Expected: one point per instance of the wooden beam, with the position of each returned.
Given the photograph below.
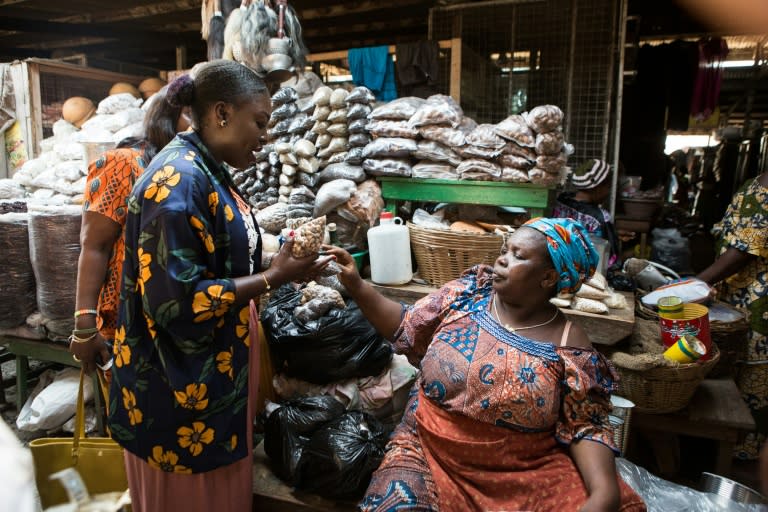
(364, 27)
(342, 54)
(65, 43)
(133, 13)
(6, 3)
(347, 8)
(455, 80)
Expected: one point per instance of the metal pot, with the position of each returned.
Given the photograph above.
(278, 45)
(726, 489)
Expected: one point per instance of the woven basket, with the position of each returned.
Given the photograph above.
(442, 255)
(730, 337)
(664, 389)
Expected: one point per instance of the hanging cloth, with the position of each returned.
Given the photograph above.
(417, 68)
(706, 89)
(373, 67)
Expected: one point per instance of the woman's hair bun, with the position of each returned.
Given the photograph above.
(181, 92)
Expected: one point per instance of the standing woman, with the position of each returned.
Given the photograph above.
(741, 270)
(184, 378)
(99, 268)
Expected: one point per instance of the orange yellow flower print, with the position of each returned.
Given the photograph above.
(213, 202)
(224, 362)
(229, 213)
(194, 438)
(162, 183)
(193, 397)
(243, 328)
(145, 259)
(166, 461)
(212, 302)
(203, 234)
(129, 402)
(120, 349)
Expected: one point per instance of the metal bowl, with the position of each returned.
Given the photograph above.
(276, 61)
(730, 490)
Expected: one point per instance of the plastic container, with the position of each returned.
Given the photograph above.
(389, 250)
(603, 248)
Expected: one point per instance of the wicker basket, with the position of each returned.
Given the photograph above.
(442, 255)
(664, 389)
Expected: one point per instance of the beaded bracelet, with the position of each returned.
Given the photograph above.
(81, 312)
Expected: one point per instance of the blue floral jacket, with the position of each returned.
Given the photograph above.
(180, 377)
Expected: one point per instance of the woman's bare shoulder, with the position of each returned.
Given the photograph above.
(577, 337)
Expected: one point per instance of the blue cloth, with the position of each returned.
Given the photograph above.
(573, 255)
(373, 67)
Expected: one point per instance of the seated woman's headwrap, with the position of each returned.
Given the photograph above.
(573, 255)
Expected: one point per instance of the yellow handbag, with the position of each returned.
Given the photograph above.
(99, 460)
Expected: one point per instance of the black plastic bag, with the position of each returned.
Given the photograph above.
(340, 345)
(289, 428)
(340, 457)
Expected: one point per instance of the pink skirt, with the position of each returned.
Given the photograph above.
(225, 488)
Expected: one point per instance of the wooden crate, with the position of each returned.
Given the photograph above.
(39, 82)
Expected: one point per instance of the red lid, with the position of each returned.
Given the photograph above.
(387, 215)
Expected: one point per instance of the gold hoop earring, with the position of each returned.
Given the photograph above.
(223, 123)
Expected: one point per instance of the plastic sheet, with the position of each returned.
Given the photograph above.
(333, 194)
(54, 248)
(396, 147)
(438, 110)
(17, 291)
(341, 456)
(429, 169)
(288, 427)
(391, 128)
(399, 109)
(340, 345)
(663, 496)
(387, 167)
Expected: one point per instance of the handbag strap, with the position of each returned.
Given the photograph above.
(79, 419)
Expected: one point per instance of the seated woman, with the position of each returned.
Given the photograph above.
(511, 409)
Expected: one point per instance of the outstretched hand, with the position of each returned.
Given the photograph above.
(286, 267)
(349, 275)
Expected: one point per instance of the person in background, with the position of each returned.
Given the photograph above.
(185, 372)
(593, 187)
(741, 271)
(110, 180)
(510, 411)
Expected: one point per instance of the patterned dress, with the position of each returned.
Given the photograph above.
(490, 418)
(745, 227)
(180, 378)
(110, 180)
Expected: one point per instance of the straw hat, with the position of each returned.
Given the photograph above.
(77, 110)
(150, 86)
(120, 87)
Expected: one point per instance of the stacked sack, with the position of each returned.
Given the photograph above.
(536, 150)
(314, 161)
(58, 175)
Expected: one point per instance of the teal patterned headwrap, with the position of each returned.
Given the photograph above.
(573, 255)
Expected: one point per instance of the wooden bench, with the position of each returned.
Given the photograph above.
(716, 412)
(23, 349)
